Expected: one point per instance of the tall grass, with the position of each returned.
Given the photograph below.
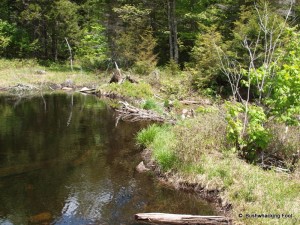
(160, 139)
(197, 150)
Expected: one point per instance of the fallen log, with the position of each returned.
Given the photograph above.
(130, 113)
(164, 218)
(192, 102)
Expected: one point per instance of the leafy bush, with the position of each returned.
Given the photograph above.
(246, 128)
(284, 84)
(176, 87)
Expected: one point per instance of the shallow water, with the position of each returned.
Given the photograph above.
(63, 161)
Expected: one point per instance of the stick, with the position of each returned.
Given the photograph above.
(70, 51)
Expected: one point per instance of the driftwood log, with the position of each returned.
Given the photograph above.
(130, 113)
(164, 218)
(88, 90)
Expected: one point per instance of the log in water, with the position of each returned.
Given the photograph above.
(165, 218)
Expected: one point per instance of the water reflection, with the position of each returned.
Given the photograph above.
(63, 161)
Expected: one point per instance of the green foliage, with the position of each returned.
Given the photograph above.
(175, 87)
(172, 68)
(6, 31)
(14, 41)
(205, 109)
(284, 100)
(246, 128)
(135, 43)
(206, 66)
(92, 50)
(146, 60)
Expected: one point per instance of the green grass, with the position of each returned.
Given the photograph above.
(127, 89)
(151, 104)
(13, 72)
(197, 151)
(146, 136)
(160, 139)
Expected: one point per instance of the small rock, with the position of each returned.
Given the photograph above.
(184, 111)
(67, 89)
(40, 72)
(141, 168)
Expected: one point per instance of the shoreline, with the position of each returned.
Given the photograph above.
(171, 180)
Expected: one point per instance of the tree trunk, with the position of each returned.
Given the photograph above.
(173, 31)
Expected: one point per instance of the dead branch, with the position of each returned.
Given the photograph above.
(130, 113)
(70, 51)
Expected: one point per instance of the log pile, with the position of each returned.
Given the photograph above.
(130, 113)
(164, 218)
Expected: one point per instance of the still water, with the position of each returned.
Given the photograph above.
(63, 161)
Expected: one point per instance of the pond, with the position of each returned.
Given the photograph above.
(63, 161)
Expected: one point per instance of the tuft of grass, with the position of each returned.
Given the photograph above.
(160, 139)
(162, 146)
(146, 136)
(127, 89)
(151, 104)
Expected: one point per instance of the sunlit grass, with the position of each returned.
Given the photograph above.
(127, 89)
(13, 72)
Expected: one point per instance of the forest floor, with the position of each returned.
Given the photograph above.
(193, 154)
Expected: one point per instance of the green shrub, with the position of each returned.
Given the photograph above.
(246, 128)
(207, 72)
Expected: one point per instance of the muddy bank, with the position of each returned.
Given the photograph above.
(178, 182)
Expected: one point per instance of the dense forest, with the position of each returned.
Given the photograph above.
(129, 32)
(242, 55)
